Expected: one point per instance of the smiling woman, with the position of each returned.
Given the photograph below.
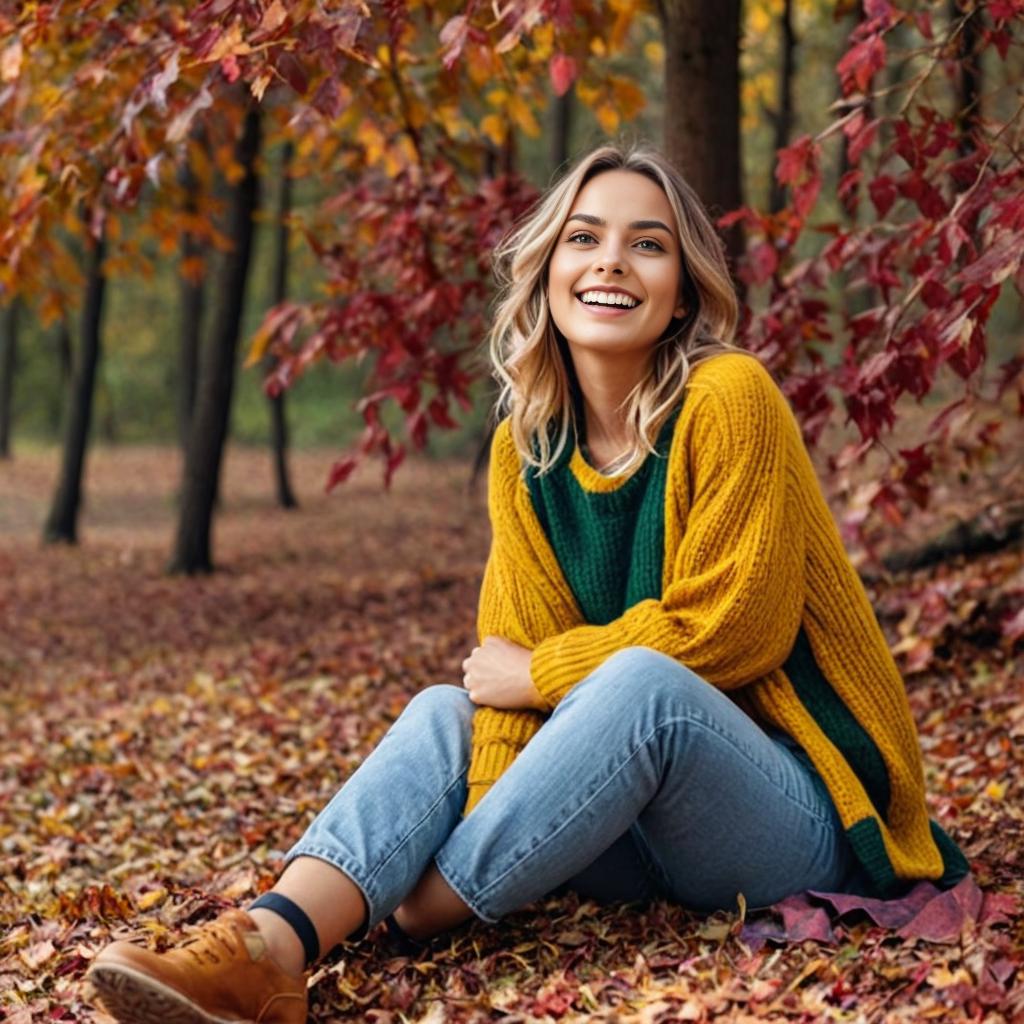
(680, 690)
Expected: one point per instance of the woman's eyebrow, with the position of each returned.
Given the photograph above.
(637, 225)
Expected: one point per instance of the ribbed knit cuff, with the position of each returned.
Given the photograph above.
(498, 737)
(560, 662)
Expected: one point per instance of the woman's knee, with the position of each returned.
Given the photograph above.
(634, 673)
(444, 701)
(440, 716)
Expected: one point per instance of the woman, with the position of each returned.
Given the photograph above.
(680, 689)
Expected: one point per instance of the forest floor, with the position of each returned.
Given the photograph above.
(165, 739)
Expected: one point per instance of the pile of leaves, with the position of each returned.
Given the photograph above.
(165, 740)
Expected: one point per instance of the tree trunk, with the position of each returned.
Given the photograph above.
(702, 102)
(62, 344)
(209, 425)
(969, 96)
(784, 115)
(278, 419)
(191, 291)
(62, 522)
(8, 363)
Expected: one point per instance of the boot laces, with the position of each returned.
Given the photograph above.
(214, 943)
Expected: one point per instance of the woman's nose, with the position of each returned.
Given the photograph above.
(609, 260)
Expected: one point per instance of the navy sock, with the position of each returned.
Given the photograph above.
(406, 945)
(296, 918)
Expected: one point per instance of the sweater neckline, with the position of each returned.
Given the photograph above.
(591, 479)
(594, 481)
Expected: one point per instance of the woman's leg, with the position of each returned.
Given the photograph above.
(364, 853)
(644, 748)
(370, 847)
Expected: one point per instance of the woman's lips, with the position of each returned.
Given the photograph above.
(607, 311)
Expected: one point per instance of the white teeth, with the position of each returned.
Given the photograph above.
(608, 299)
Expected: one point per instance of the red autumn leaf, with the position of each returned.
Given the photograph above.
(1005, 10)
(998, 263)
(860, 133)
(229, 68)
(935, 294)
(803, 920)
(563, 71)
(291, 70)
(763, 262)
(860, 63)
(883, 193)
(946, 914)
(341, 471)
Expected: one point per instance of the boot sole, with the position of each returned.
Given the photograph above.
(136, 998)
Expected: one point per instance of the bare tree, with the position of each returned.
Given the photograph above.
(278, 419)
(62, 523)
(209, 426)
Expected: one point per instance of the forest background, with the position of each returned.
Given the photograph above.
(367, 157)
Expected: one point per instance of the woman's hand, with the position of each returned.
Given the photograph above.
(498, 675)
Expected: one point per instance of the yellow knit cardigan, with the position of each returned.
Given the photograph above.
(751, 555)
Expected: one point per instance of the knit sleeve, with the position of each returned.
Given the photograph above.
(733, 605)
(500, 734)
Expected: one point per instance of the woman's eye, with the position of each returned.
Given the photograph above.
(585, 237)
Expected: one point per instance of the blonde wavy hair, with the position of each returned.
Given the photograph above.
(529, 357)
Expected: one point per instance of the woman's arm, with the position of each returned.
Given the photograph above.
(499, 734)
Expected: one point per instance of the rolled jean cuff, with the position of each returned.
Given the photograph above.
(350, 869)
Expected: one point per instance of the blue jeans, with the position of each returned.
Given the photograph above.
(645, 782)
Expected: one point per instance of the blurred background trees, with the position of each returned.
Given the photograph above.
(315, 188)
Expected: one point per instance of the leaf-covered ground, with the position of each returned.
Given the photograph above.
(164, 740)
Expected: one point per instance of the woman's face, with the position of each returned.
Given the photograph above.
(615, 273)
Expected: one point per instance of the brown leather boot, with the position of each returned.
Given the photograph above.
(223, 974)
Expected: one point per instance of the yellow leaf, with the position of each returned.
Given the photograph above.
(597, 47)
(608, 118)
(258, 348)
(495, 128)
(230, 43)
(654, 51)
(995, 790)
(629, 98)
(151, 899)
(259, 85)
(48, 96)
(370, 138)
(522, 113)
(759, 20)
(273, 17)
(497, 97)
(543, 39)
(620, 29)
(479, 64)
(418, 113)
(452, 120)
